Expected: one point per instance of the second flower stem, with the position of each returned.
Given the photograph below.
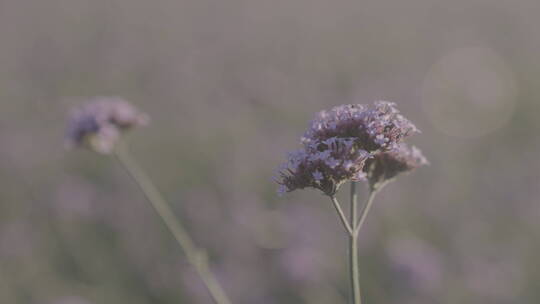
(363, 216)
(195, 256)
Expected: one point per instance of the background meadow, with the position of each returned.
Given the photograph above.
(231, 86)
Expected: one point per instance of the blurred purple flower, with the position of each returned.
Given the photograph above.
(416, 264)
(99, 123)
(302, 264)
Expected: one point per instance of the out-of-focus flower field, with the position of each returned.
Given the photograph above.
(230, 87)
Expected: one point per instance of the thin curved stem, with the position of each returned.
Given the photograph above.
(195, 256)
(342, 216)
(367, 207)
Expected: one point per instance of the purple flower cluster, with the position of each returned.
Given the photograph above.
(375, 128)
(99, 123)
(338, 144)
(385, 166)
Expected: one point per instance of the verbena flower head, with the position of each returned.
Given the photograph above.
(379, 127)
(324, 166)
(338, 144)
(99, 123)
(385, 166)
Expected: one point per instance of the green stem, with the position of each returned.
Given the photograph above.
(353, 249)
(353, 269)
(342, 216)
(367, 207)
(195, 256)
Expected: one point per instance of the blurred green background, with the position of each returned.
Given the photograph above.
(231, 86)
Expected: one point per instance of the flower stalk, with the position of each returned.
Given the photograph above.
(342, 216)
(197, 257)
(352, 227)
(367, 207)
(352, 143)
(354, 271)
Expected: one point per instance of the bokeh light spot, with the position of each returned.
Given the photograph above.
(469, 92)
